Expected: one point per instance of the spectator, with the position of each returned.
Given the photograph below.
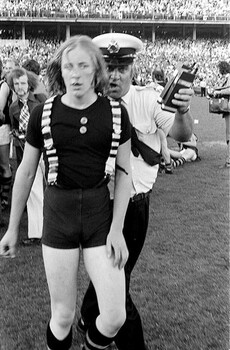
(167, 54)
(2, 117)
(23, 83)
(158, 76)
(191, 9)
(224, 91)
(33, 66)
(203, 87)
(5, 101)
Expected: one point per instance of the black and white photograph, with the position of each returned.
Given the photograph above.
(114, 174)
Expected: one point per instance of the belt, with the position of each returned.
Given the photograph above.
(63, 187)
(139, 196)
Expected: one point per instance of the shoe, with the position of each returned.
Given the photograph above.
(161, 169)
(31, 241)
(197, 157)
(169, 168)
(189, 154)
(81, 326)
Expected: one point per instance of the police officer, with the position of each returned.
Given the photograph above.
(146, 116)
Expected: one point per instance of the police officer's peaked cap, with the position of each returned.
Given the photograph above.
(118, 48)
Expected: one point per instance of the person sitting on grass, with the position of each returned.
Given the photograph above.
(171, 159)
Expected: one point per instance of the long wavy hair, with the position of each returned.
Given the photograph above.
(55, 81)
(19, 72)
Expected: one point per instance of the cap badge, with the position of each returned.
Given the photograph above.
(113, 47)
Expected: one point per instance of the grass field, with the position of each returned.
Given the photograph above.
(181, 281)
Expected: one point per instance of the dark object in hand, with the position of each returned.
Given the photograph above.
(182, 78)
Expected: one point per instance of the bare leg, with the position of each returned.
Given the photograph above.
(109, 283)
(61, 266)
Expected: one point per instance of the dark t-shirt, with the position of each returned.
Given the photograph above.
(81, 156)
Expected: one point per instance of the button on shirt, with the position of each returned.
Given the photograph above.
(146, 116)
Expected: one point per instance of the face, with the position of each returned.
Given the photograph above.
(78, 72)
(43, 73)
(9, 66)
(21, 86)
(120, 78)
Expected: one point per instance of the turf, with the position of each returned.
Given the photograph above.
(181, 281)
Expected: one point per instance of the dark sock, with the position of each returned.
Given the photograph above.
(55, 344)
(5, 194)
(5, 190)
(95, 340)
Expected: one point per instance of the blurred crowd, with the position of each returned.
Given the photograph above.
(190, 9)
(163, 55)
(39, 49)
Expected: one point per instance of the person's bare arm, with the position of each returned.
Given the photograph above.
(116, 246)
(22, 185)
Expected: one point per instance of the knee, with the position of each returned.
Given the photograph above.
(63, 317)
(115, 320)
(120, 320)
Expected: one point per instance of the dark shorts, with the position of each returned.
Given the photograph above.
(76, 217)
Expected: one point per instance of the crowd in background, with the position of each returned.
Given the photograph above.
(162, 54)
(166, 54)
(190, 9)
(40, 49)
